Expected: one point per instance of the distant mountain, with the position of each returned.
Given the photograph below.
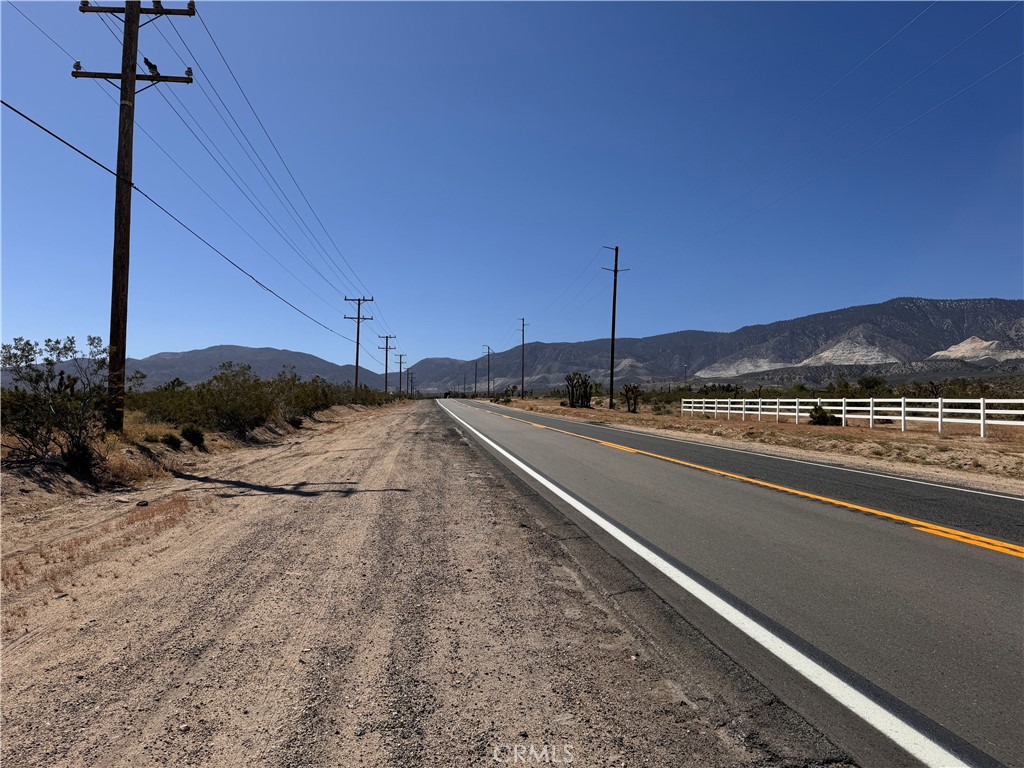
(199, 365)
(900, 332)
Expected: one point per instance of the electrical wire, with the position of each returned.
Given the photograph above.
(283, 196)
(834, 85)
(181, 223)
(855, 155)
(283, 163)
(870, 109)
(41, 30)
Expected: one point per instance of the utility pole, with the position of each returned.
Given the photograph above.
(401, 359)
(489, 351)
(132, 12)
(410, 381)
(522, 363)
(474, 377)
(615, 290)
(387, 348)
(359, 321)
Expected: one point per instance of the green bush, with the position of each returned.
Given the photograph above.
(823, 418)
(57, 404)
(172, 441)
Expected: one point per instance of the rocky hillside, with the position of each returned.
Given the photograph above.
(899, 332)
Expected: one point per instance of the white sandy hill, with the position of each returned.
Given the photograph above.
(979, 349)
(739, 367)
(851, 351)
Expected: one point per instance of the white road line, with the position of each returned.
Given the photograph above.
(780, 458)
(903, 734)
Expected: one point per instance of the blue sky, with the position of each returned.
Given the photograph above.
(470, 160)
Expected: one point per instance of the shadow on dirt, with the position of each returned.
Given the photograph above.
(343, 489)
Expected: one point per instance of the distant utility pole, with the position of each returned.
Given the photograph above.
(463, 385)
(359, 321)
(401, 360)
(489, 351)
(615, 289)
(410, 381)
(387, 348)
(522, 362)
(474, 376)
(132, 12)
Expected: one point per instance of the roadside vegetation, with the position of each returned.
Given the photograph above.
(55, 408)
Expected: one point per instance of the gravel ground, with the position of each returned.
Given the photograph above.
(372, 590)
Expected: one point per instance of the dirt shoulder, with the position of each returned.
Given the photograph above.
(373, 590)
(958, 457)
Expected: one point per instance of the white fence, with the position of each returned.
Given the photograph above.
(981, 412)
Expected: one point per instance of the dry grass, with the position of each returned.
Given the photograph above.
(60, 564)
(128, 467)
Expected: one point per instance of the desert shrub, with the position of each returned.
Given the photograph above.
(823, 418)
(172, 441)
(150, 438)
(57, 404)
(194, 435)
(235, 400)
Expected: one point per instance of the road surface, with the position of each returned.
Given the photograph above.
(889, 612)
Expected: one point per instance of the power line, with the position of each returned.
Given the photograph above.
(832, 87)
(299, 221)
(284, 163)
(846, 125)
(173, 160)
(187, 228)
(853, 156)
(41, 30)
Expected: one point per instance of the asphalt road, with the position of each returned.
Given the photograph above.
(908, 594)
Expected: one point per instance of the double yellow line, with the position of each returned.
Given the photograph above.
(995, 545)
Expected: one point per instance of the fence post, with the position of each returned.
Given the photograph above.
(797, 409)
(716, 407)
(778, 410)
(982, 414)
(871, 413)
(743, 409)
(728, 410)
(844, 411)
(940, 415)
(759, 401)
(903, 414)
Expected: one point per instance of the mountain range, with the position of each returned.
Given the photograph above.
(900, 339)
(903, 337)
(199, 365)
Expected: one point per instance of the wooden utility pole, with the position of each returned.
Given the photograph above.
(522, 362)
(401, 360)
(410, 381)
(474, 376)
(615, 289)
(132, 12)
(359, 322)
(489, 350)
(387, 348)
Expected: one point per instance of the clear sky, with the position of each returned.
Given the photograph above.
(470, 160)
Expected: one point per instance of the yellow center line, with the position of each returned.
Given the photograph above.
(974, 539)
